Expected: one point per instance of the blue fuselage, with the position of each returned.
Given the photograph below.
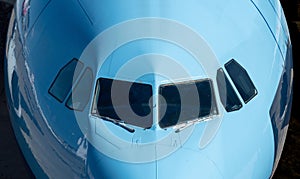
(156, 43)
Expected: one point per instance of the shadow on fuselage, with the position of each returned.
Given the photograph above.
(12, 163)
(289, 163)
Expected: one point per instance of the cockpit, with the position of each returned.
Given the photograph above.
(132, 102)
(140, 104)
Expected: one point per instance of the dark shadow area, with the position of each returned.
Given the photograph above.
(289, 166)
(12, 163)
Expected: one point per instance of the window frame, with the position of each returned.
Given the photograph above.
(75, 87)
(228, 86)
(236, 83)
(58, 75)
(214, 105)
(95, 111)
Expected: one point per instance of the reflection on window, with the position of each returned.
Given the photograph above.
(228, 96)
(241, 80)
(80, 96)
(173, 110)
(125, 101)
(62, 84)
(15, 89)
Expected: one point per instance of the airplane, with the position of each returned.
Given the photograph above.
(149, 89)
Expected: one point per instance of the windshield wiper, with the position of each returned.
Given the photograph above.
(118, 123)
(180, 127)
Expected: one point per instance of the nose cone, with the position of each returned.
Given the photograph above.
(101, 166)
(184, 163)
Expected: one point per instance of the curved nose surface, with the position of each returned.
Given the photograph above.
(183, 163)
(186, 163)
(101, 166)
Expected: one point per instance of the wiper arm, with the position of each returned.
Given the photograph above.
(182, 126)
(118, 123)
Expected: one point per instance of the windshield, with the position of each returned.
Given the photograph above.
(124, 101)
(198, 102)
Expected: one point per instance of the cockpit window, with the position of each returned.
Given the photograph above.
(62, 84)
(198, 101)
(80, 95)
(241, 80)
(228, 96)
(124, 101)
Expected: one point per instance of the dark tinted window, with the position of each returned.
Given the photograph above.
(62, 84)
(198, 102)
(125, 101)
(228, 96)
(241, 80)
(80, 96)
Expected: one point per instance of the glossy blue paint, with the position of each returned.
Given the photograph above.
(58, 142)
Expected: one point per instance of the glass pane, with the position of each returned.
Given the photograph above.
(228, 96)
(80, 96)
(173, 110)
(125, 101)
(62, 84)
(241, 80)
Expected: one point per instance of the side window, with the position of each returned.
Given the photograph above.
(62, 84)
(80, 95)
(228, 96)
(241, 80)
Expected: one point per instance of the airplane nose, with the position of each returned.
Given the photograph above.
(184, 163)
(101, 166)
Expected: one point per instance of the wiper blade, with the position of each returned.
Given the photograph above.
(180, 127)
(118, 123)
